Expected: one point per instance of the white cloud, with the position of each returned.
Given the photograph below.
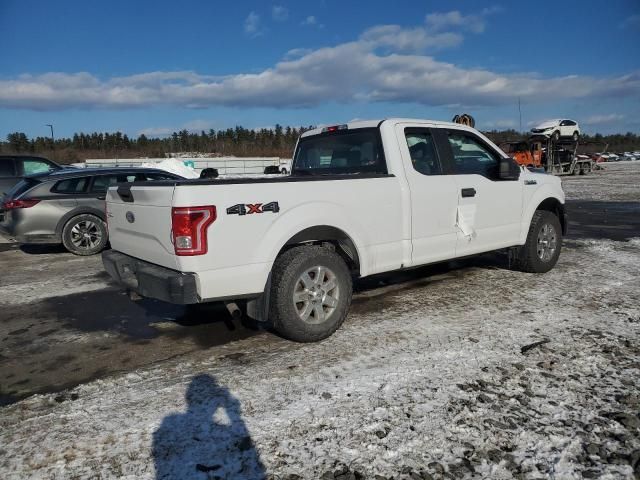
(312, 21)
(631, 22)
(498, 124)
(442, 21)
(400, 39)
(195, 126)
(156, 131)
(252, 25)
(279, 13)
(386, 64)
(603, 119)
(297, 53)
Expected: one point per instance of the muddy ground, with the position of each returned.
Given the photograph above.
(63, 325)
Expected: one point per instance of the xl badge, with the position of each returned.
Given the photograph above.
(130, 217)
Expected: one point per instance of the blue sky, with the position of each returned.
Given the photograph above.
(158, 66)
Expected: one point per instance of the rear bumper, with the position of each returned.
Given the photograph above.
(149, 280)
(30, 239)
(15, 227)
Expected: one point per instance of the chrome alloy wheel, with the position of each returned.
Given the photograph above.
(547, 242)
(86, 235)
(316, 294)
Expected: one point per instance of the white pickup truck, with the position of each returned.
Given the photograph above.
(362, 198)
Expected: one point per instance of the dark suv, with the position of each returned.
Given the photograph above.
(14, 168)
(67, 206)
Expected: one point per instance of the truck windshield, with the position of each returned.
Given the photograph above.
(345, 151)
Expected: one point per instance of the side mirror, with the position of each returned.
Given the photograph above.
(508, 169)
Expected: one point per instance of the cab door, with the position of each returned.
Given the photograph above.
(489, 209)
(433, 196)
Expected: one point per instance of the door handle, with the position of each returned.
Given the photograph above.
(102, 197)
(468, 192)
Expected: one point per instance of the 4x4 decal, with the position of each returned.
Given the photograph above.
(249, 208)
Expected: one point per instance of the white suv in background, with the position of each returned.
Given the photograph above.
(558, 128)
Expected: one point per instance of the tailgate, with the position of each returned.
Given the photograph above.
(139, 219)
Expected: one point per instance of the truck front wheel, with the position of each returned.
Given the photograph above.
(541, 251)
(310, 293)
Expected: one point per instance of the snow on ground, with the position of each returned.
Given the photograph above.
(426, 381)
(53, 273)
(617, 182)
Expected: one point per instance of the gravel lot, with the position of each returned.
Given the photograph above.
(459, 370)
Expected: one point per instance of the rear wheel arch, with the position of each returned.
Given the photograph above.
(79, 211)
(331, 237)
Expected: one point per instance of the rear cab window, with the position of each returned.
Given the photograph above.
(340, 152)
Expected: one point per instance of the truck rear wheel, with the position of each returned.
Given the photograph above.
(541, 251)
(310, 293)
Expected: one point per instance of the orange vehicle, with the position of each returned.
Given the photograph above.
(526, 153)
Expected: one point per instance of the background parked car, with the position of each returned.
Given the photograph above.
(14, 168)
(558, 128)
(67, 206)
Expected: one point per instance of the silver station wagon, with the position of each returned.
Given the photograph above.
(66, 206)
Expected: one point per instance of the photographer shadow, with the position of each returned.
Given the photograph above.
(208, 441)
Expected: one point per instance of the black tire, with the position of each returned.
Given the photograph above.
(286, 280)
(576, 136)
(556, 135)
(528, 258)
(92, 226)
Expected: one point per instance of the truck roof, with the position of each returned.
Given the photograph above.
(377, 123)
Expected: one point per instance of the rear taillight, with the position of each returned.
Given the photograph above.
(14, 204)
(189, 229)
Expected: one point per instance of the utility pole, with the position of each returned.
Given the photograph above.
(51, 127)
(520, 114)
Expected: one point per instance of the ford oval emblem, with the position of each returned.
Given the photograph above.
(130, 217)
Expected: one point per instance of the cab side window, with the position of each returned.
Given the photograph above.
(423, 153)
(472, 157)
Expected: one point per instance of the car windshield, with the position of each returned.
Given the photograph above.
(344, 151)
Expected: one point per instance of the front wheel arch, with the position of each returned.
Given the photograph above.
(554, 206)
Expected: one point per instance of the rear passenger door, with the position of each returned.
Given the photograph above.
(489, 209)
(433, 196)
